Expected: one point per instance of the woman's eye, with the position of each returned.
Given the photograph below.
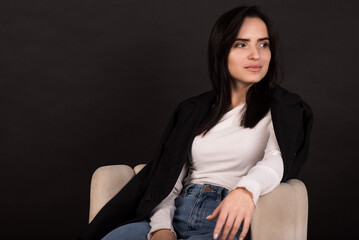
(264, 44)
(240, 45)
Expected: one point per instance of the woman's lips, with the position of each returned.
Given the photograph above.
(253, 68)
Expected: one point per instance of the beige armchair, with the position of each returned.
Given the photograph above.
(281, 214)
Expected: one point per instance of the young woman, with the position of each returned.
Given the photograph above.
(221, 150)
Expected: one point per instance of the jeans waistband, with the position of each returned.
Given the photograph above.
(205, 189)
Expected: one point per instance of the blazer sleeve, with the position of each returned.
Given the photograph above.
(301, 155)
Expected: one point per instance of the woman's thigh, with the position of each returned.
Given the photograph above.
(137, 230)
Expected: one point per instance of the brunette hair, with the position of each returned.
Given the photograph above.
(259, 95)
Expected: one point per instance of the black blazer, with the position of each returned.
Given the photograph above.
(292, 121)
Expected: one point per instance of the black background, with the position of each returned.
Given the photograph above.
(91, 83)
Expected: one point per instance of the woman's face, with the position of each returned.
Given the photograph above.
(249, 57)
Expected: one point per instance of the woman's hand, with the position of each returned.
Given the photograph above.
(236, 207)
(163, 234)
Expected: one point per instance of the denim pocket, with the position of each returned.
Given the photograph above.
(188, 189)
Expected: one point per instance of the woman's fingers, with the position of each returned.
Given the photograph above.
(227, 226)
(246, 223)
(215, 213)
(220, 223)
(235, 228)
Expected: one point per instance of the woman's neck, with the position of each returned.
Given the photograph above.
(238, 94)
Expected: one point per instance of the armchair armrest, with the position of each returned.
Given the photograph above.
(282, 214)
(105, 183)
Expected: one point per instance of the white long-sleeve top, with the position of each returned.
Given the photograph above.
(229, 156)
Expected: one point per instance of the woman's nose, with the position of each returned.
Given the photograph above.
(253, 54)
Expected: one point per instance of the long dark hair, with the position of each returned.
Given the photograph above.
(259, 95)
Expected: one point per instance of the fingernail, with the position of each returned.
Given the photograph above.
(241, 239)
(208, 216)
(215, 236)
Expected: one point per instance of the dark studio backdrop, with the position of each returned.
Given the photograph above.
(90, 83)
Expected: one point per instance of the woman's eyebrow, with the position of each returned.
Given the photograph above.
(248, 40)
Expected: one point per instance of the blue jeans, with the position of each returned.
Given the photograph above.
(193, 205)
